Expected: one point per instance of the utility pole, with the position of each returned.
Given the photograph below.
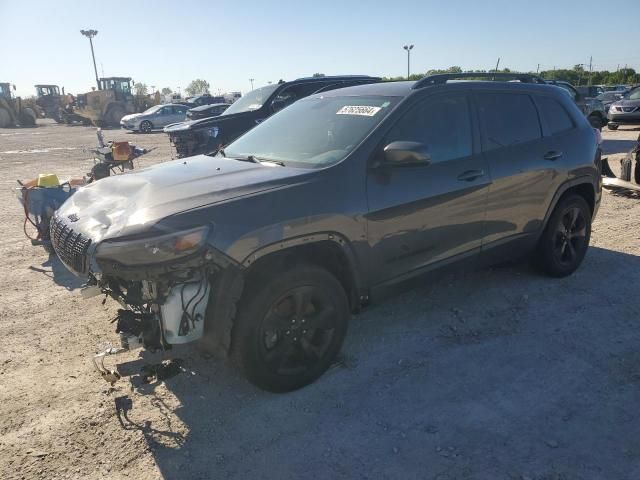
(497, 65)
(408, 48)
(251, 80)
(538, 69)
(90, 34)
(590, 68)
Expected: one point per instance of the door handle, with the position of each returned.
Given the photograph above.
(470, 175)
(552, 155)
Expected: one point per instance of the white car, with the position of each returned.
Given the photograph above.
(156, 117)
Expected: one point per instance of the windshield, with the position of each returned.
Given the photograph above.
(313, 132)
(153, 109)
(633, 94)
(252, 100)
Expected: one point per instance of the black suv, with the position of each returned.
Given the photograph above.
(265, 249)
(207, 135)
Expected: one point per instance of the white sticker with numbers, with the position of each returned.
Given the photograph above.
(363, 110)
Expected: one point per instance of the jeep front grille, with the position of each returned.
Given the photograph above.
(71, 247)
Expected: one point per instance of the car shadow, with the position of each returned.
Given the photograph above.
(441, 378)
(54, 269)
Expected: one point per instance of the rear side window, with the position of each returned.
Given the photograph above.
(554, 115)
(508, 119)
(442, 124)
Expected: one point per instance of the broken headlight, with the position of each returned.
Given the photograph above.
(159, 249)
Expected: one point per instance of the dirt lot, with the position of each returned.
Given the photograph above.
(499, 374)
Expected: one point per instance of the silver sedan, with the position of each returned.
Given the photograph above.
(156, 117)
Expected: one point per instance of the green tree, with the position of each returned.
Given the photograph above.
(197, 87)
(140, 88)
(318, 75)
(166, 91)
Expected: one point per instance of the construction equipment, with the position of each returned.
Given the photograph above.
(13, 111)
(112, 101)
(52, 102)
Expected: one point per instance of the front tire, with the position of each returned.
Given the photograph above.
(612, 126)
(289, 328)
(565, 239)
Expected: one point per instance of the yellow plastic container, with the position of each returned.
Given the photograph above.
(48, 180)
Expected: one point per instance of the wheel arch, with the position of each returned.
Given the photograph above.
(328, 250)
(582, 186)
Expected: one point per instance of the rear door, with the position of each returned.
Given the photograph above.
(522, 163)
(420, 215)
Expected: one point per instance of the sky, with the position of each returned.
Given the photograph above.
(170, 43)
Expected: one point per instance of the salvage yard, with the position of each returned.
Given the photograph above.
(497, 374)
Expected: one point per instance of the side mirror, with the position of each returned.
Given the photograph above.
(406, 153)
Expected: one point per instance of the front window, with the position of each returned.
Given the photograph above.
(313, 132)
(252, 100)
(151, 110)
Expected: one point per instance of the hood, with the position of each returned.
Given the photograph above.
(204, 122)
(130, 117)
(132, 202)
(627, 103)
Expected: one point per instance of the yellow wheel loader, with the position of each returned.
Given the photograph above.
(13, 111)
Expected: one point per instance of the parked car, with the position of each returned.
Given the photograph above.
(616, 88)
(207, 135)
(156, 117)
(590, 91)
(607, 98)
(204, 99)
(592, 108)
(267, 248)
(625, 111)
(207, 111)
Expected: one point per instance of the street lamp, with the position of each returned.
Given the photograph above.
(251, 80)
(408, 48)
(90, 34)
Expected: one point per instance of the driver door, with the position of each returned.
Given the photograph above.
(422, 214)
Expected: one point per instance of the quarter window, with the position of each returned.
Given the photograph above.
(508, 119)
(554, 115)
(441, 124)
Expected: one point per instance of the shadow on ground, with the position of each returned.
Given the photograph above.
(500, 373)
(54, 269)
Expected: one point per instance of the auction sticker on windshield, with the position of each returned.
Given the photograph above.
(364, 110)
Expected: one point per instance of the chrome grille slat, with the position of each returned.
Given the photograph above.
(71, 247)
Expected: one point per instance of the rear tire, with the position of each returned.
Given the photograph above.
(565, 240)
(5, 118)
(146, 126)
(596, 121)
(289, 328)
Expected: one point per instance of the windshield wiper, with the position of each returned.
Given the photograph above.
(254, 159)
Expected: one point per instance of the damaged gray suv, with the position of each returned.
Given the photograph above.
(263, 251)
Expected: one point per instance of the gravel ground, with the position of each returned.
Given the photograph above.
(496, 374)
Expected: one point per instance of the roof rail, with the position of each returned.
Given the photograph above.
(338, 77)
(442, 78)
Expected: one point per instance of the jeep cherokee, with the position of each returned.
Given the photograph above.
(265, 249)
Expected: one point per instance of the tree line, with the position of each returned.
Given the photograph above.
(576, 76)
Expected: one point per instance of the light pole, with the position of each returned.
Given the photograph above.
(251, 80)
(408, 48)
(90, 34)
